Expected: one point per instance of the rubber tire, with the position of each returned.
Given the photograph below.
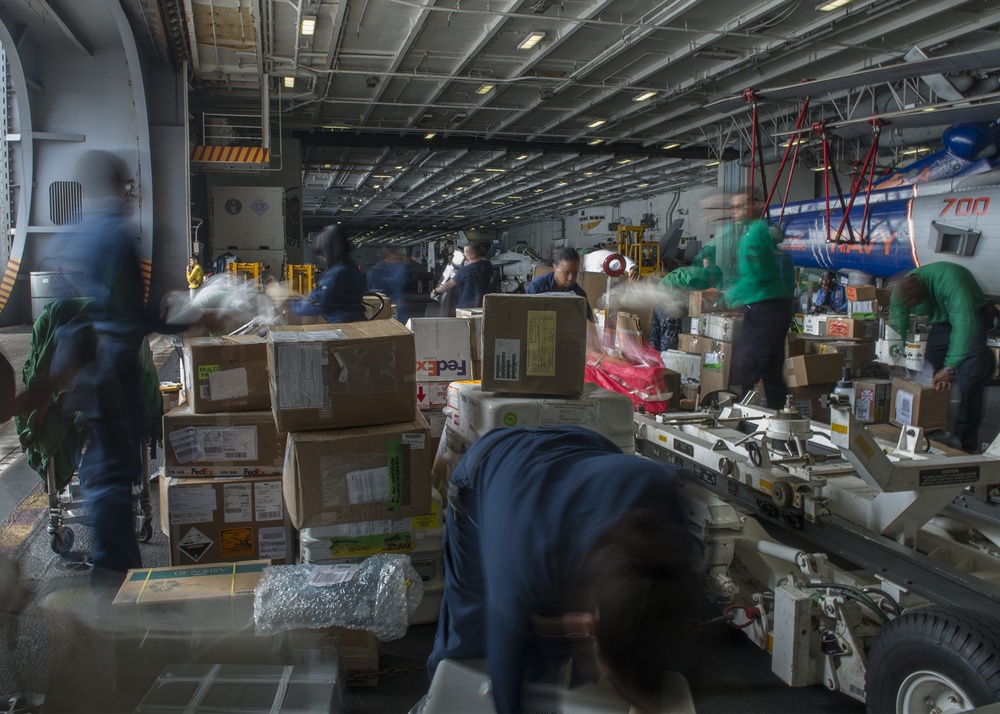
(962, 644)
(62, 541)
(145, 531)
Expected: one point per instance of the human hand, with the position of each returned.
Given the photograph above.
(942, 380)
(633, 274)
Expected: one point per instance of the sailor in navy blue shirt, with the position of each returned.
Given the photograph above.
(547, 527)
(338, 294)
(472, 280)
(565, 269)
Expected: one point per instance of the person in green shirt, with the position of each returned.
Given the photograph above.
(758, 289)
(959, 312)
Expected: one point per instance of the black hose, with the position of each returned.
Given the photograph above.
(857, 594)
(896, 609)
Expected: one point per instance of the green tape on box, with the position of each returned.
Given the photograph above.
(394, 457)
(351, 546)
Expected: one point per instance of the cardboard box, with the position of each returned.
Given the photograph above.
(443, 348)
(862, 309)
(872, 400)
(534, 344)
(432, 395)
(226, 444)
(795, 345)
(814, 325)
(702, 302)
(226, 374)
(808, 400)
(855, 353)
(596, 285)
(687, 365)
(475, 316)
(917, 405)
(358, 652)
(338, 376)
(694, 344)
(224, 520)
(860, 292)
(848, 329)
(372, 303)
(718, 370)
(221, 582)
(673, 380)
(363, 474)
(725, 327)
(806, 370)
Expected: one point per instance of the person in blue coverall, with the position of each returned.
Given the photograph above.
(338, 293)
(565, 271)
(554, 533)
(472, 281)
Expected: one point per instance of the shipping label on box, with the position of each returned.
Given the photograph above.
(694, 344)
(534, 344)
(214, 521)
(183, 584)
(224, 444)
(918, 405)
(226, 374)
(364, 474)
(806, 370)
(687, 365)
(338, 376)
(862, 309)
(846, 328)
(871, 400)
(717, 367)
(432, 395)
(857, 293)
(443, 348)
(814, 325)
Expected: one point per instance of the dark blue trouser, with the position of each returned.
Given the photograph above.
(112, 462)
(762, 350)
(973, 374)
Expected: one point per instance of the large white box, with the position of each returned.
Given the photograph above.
(444, 348)
(687, 365)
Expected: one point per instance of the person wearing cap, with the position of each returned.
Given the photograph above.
(831, 296)
(959, 313)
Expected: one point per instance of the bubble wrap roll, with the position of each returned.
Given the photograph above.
(379, 597)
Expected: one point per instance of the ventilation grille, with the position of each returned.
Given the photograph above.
(65, 202)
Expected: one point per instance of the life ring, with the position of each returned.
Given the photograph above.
(614, 265)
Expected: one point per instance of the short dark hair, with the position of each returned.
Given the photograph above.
(332, 245)
(562, 255)
(645, 589)
(479, 248)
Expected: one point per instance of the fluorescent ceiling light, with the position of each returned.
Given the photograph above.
(381, 176)
(485, 89)
(494, 170)
(497, 203)
(819, 168)
(399, 167)
(588, 173)
(568, 204)
(625, 161)
(917, 150)
(796, 142)
(596, 123)
(459, 216)
(644, 184)
(531, 40)
(289, 82)
(644, 96)
(308, 28)
(588, 198)
(563, 183)
(832, 5)
(476, 180)
(539, 190)
(713, 163)
(335, 127)
(515, 196)
(521, 157)
(668, 147)
(430, 135)
(595, 142)
(929, 109)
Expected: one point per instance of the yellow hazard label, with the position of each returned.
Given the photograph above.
(765, 484)
(839, 428)
(864, 447)
(236, 542)
(541, 357)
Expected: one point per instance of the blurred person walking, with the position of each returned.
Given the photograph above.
(339, 290)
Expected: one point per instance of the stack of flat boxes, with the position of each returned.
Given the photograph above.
(220, 495)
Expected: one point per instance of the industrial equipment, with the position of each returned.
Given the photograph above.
(870, 567)
(247, 273)
(301, 278)
(646, 254)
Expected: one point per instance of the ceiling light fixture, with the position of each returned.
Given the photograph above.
(596, 123)
(308, 28)
(485, 88)
(495, 170)
(335, 127)
(381, 176)
(668, 147)
(622, 162)
(497, 203)
(819, 168)
(531, 40)
(832, 5)
(914, 151)
(644, 96)
(563, 183)
(595, 142)
(713, 163)
(430, 135)
(289, 82)
(521, 157)
(588, 198)
(539, 190)
(515, 196)
(644, 184)
(476, 180)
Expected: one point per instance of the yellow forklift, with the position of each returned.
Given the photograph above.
(646, 254)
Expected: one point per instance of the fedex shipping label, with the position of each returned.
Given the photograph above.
(443, 369)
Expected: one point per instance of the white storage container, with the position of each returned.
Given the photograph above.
(606, 412)
(724, 328)
(687, 365)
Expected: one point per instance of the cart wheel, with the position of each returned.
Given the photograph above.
(145, 530)
(61, 540)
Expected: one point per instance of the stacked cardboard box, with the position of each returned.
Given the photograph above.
(918, 405)
(719, 367)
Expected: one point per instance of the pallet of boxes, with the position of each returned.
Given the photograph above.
(707, 354)
(836, 348)
(533, 350)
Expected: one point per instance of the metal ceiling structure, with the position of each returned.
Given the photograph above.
(442, 114)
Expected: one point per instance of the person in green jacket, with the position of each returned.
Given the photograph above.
(959, 312)
(759, 290)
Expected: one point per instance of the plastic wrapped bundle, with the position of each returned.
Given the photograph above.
(377, 594)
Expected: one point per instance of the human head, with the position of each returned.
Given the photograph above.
(708, 255)
(565, 267)
(192, 262)
(644, 589)
(473, 251)
(331, 246)
(828, 280)
(909, 291)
